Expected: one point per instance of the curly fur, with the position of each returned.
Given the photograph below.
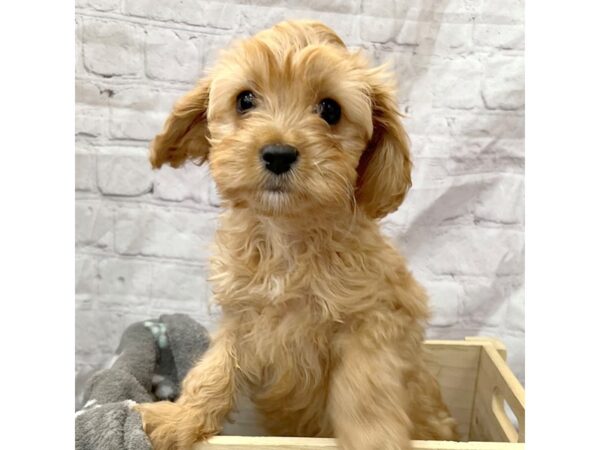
(322, 322)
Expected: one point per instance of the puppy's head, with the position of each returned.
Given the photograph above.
(292, 122)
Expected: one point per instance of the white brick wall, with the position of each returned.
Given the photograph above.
(143, 237)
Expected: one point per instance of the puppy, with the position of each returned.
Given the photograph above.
(322, 322)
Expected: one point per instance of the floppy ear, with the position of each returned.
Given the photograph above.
(185, 133)
(385, 166)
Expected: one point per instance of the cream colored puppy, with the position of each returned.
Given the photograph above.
(322, 321)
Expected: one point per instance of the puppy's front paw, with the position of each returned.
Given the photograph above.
(171, 426)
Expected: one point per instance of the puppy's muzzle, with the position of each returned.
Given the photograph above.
(279, 158)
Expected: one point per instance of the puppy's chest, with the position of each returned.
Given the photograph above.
(313, 273)
(255, 282)
(286, 345)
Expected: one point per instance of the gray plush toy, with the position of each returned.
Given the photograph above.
(152, 359)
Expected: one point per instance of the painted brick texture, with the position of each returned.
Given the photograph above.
(143, 237)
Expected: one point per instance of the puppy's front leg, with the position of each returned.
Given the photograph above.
(208, 395)
(368, 401)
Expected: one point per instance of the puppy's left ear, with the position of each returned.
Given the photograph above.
(185, 133)
(384, 171)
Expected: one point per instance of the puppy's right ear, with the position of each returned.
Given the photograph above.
(185, 133)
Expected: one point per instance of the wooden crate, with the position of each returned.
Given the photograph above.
(479, 388)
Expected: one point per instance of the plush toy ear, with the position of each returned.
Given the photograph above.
(185, 133)
(384, 171)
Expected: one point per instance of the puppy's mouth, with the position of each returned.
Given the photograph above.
(277, 186)
(275, 195)
(277, 190)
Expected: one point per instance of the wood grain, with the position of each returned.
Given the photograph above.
(291, 443)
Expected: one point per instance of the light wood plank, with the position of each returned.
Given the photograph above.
(246, 421)
(496, 383)
(455, 365)
(497, 343)
(291, 443)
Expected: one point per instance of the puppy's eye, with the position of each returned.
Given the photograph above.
(245, 100)
(329, 110)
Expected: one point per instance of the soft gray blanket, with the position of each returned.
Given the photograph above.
(152, 359)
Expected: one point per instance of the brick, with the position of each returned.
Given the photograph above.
(213, 14)
(345, 25)
(487, 156)
(463, 199)
(485, 125)
(509, 37)
(444, 298)
(502, 12)
(458, 85)
(85, 171)
(502, 84)
(209, 47)
(144, 98)
(426, 170)
(486, 300)
(133, 125)
(91, 94)
(452, 37)
(152, 9)
(79, 66)
(502, 201)
(379, 55)
(454, 151)
(383, 8)
(412, 81)
(85, 275)
(130, 302)
(457, 6)
(452, 11)
(476, 124)
(119, 277)
(138, 98)
(171, 184)
(379, 29)
(124, 174)
(340, 6)
(252, 18)
(99, 5)
(181, 282)
(464, 250)
(151, 231)
(410, 33)
(94, 223)
(91, 121)
(113, 48)
(85, 301)
(171, 56)
(443, 204)
(432, 37)
(189, 182)
(515, 314)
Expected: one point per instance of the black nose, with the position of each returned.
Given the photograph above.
(278, 158)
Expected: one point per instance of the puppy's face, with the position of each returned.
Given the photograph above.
(293, 123)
